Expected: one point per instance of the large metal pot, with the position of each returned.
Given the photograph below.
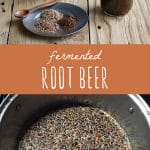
(18, 112)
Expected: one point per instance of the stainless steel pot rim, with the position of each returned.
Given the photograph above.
(8, 103)
(145, 109)
(130, 111)
(136, 98)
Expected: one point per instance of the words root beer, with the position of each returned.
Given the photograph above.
(70, 78)
(74, 71)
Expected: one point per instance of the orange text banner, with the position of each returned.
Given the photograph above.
(74, 69)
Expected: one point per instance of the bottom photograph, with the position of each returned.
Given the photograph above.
(74, 122)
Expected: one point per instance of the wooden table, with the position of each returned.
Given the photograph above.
(134, 28)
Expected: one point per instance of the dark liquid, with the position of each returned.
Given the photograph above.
(116, 7)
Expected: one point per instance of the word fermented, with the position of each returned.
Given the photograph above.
(87, 56)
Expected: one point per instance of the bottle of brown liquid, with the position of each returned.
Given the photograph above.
(116, 7)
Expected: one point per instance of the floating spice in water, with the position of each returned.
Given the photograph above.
(52, 20)
(79, 128)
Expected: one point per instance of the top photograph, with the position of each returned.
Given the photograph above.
(75, 22)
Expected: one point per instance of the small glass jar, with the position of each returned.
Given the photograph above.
(116, 7)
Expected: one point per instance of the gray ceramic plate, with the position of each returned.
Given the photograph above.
(64, 8)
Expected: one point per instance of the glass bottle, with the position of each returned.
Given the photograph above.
(116, 7)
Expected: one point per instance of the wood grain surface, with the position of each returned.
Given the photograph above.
(133, 28)
(5, 20)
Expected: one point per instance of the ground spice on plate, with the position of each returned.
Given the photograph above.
(48, 20)
(52, 20)
(76, 128)
(67, 22)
